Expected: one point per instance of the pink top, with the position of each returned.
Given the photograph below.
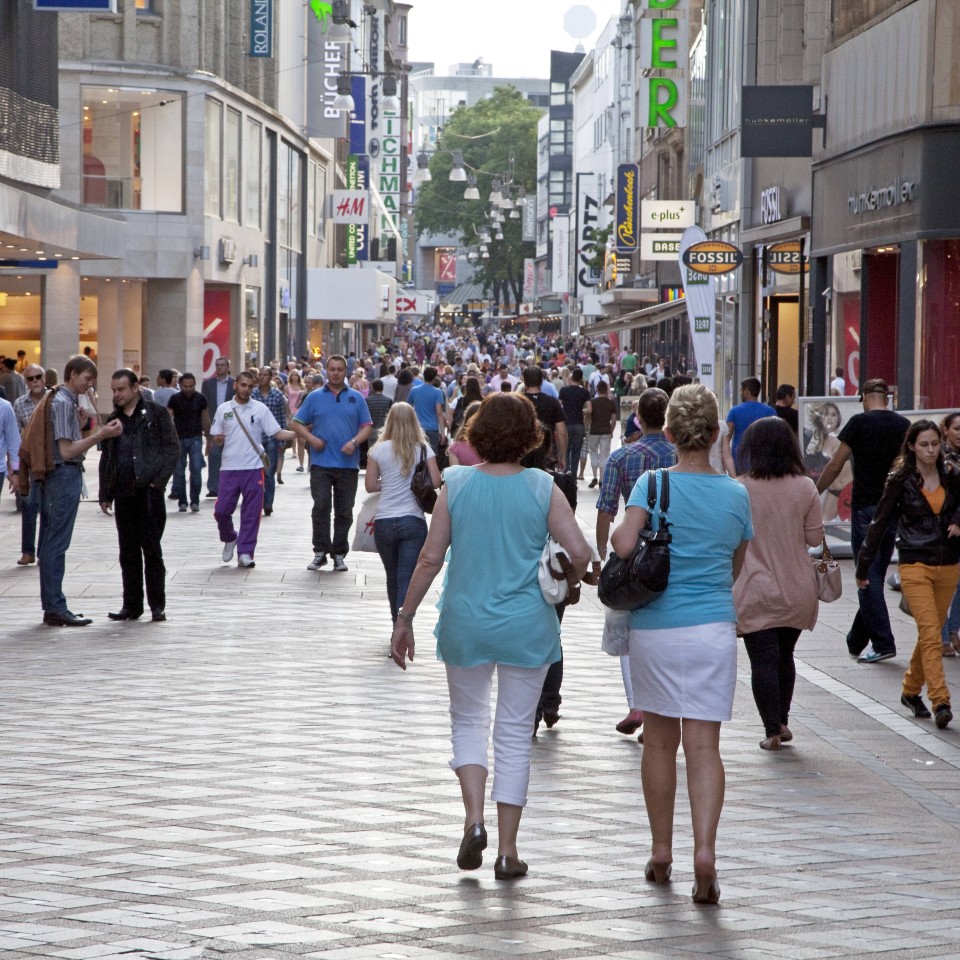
(293, 394)
(465, 454)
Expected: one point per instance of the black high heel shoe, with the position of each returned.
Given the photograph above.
(472, 845)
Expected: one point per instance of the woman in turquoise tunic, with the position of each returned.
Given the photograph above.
(493, 616)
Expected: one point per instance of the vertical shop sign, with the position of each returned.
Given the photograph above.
(561, 254)
(358, 149)
(586, 276)
(628, 207)
(261, 28)
(216, 329)
(700, 293)
(663, 65)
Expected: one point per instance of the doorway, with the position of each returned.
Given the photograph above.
(781, 345)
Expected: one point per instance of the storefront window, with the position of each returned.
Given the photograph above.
(253, 166)
(231, 166)
(843, 346)
(132, 149)
(211, 158)
(251, 326)
(938, 332)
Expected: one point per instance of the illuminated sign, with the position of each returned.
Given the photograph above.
(787, 257)
(662, 77)
(659, 246)
(713, 256)
(673, 214)
(627, 226)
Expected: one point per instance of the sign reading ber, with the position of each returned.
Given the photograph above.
(713, 256)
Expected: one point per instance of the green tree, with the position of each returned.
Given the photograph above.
(498, 140)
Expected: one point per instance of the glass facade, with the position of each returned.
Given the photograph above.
(939, 306)
(212, 154)
(231, 166)
(132, 149)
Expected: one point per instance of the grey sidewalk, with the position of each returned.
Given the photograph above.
(254, 779)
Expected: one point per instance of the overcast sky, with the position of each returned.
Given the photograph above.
(515, 36)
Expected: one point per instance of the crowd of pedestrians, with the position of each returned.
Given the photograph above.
(499, 430)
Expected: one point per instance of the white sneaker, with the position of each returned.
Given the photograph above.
(338, 565)
(320, 560)
(245, 560)
(228, 550)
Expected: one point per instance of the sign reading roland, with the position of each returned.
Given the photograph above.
(662, 77)
(261, 28)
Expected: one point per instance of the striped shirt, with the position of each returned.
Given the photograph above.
(66, 426)
(628, 463)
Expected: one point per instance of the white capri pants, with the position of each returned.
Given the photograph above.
(518, 693)
(598, 444)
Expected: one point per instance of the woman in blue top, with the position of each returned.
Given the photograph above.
(683, 646)
(493, 616)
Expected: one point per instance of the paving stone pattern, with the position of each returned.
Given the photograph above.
(254, 779)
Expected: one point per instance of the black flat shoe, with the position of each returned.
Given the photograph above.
(158, 616)
(124, 614)
(509, 868)
(942, 715)
(67, 619)
(472, 846)
(916, 704)
(550, 719)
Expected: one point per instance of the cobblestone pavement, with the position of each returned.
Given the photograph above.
(254, 779)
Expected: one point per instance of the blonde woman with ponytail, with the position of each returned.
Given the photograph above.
(399, 525)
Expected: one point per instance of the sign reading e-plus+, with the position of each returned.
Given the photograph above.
(664, 45)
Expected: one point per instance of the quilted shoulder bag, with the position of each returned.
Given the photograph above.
(633, 583)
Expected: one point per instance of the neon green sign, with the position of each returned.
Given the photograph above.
(663, 56)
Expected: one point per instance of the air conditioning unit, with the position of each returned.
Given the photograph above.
(228, 250)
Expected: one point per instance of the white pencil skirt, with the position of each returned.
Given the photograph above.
(688, 672)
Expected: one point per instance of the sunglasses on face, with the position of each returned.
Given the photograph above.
(38, 376)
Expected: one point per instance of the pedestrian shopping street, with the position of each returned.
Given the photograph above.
(254, 779)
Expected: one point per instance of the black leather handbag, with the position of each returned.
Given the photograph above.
(633, 583)
(422, 486)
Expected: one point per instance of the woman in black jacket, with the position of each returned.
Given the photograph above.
(923, 495)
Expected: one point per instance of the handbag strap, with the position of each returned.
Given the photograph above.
(256, 446)
(664, 494)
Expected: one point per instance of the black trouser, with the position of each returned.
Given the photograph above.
(550, 698)
(772, 674)
(141, 519)
(332, 488)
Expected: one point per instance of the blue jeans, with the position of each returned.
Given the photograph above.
(28, 521)
(399, 541)
(214, 458)
(191, 450)
(951, 624)
(574, 446)
(433, 438)
(272, 449)
(872, 622)
(59, 498)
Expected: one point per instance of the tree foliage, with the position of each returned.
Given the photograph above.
(498, 139)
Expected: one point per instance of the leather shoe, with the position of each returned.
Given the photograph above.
(26, 560)
(267, 511)
(509, 868)
(472, 846)
(124, 614)
(550, 719)
(67, 619)
(158, 616)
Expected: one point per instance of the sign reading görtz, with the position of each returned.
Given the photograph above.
(667, 214)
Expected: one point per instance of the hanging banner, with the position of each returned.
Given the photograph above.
(700, 292)
(627, 231)
(561, 254)
(586, 277)
(528, 278)
(357, 233)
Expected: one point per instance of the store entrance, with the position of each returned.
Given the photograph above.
(781, 346)
(881, 288)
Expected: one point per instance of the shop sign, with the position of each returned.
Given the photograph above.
(660, 246)
(787, 258)
(627, 225)
(867, 201)
(669, 214)
(771, 205)
(561, 254)
(588, 212)
(777, 121)
(700, 294)
(713, 257)
(388, 176)
(350, 206)
(662, 73)
(78, 6)
(261, 28)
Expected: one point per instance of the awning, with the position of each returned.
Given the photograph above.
(637, 319)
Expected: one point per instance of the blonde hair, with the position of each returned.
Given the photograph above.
(403, 428)
(693, 416)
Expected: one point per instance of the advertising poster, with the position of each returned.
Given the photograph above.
(216, 329)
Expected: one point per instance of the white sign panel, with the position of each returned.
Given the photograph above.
(659, 246)
(700, 292)
(350, 206)
(561, 254)
(667, 214)
(413, 303)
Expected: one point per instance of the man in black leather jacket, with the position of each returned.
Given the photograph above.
(134, 470)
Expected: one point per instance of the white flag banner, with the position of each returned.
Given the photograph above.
(700, 292)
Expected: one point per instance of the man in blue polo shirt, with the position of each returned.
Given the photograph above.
(739, 418)
(333, 421)
(428, 401)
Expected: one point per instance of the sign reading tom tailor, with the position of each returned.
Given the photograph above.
(786, 258)
(777, 121)
(627, 229)
(713, 256)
